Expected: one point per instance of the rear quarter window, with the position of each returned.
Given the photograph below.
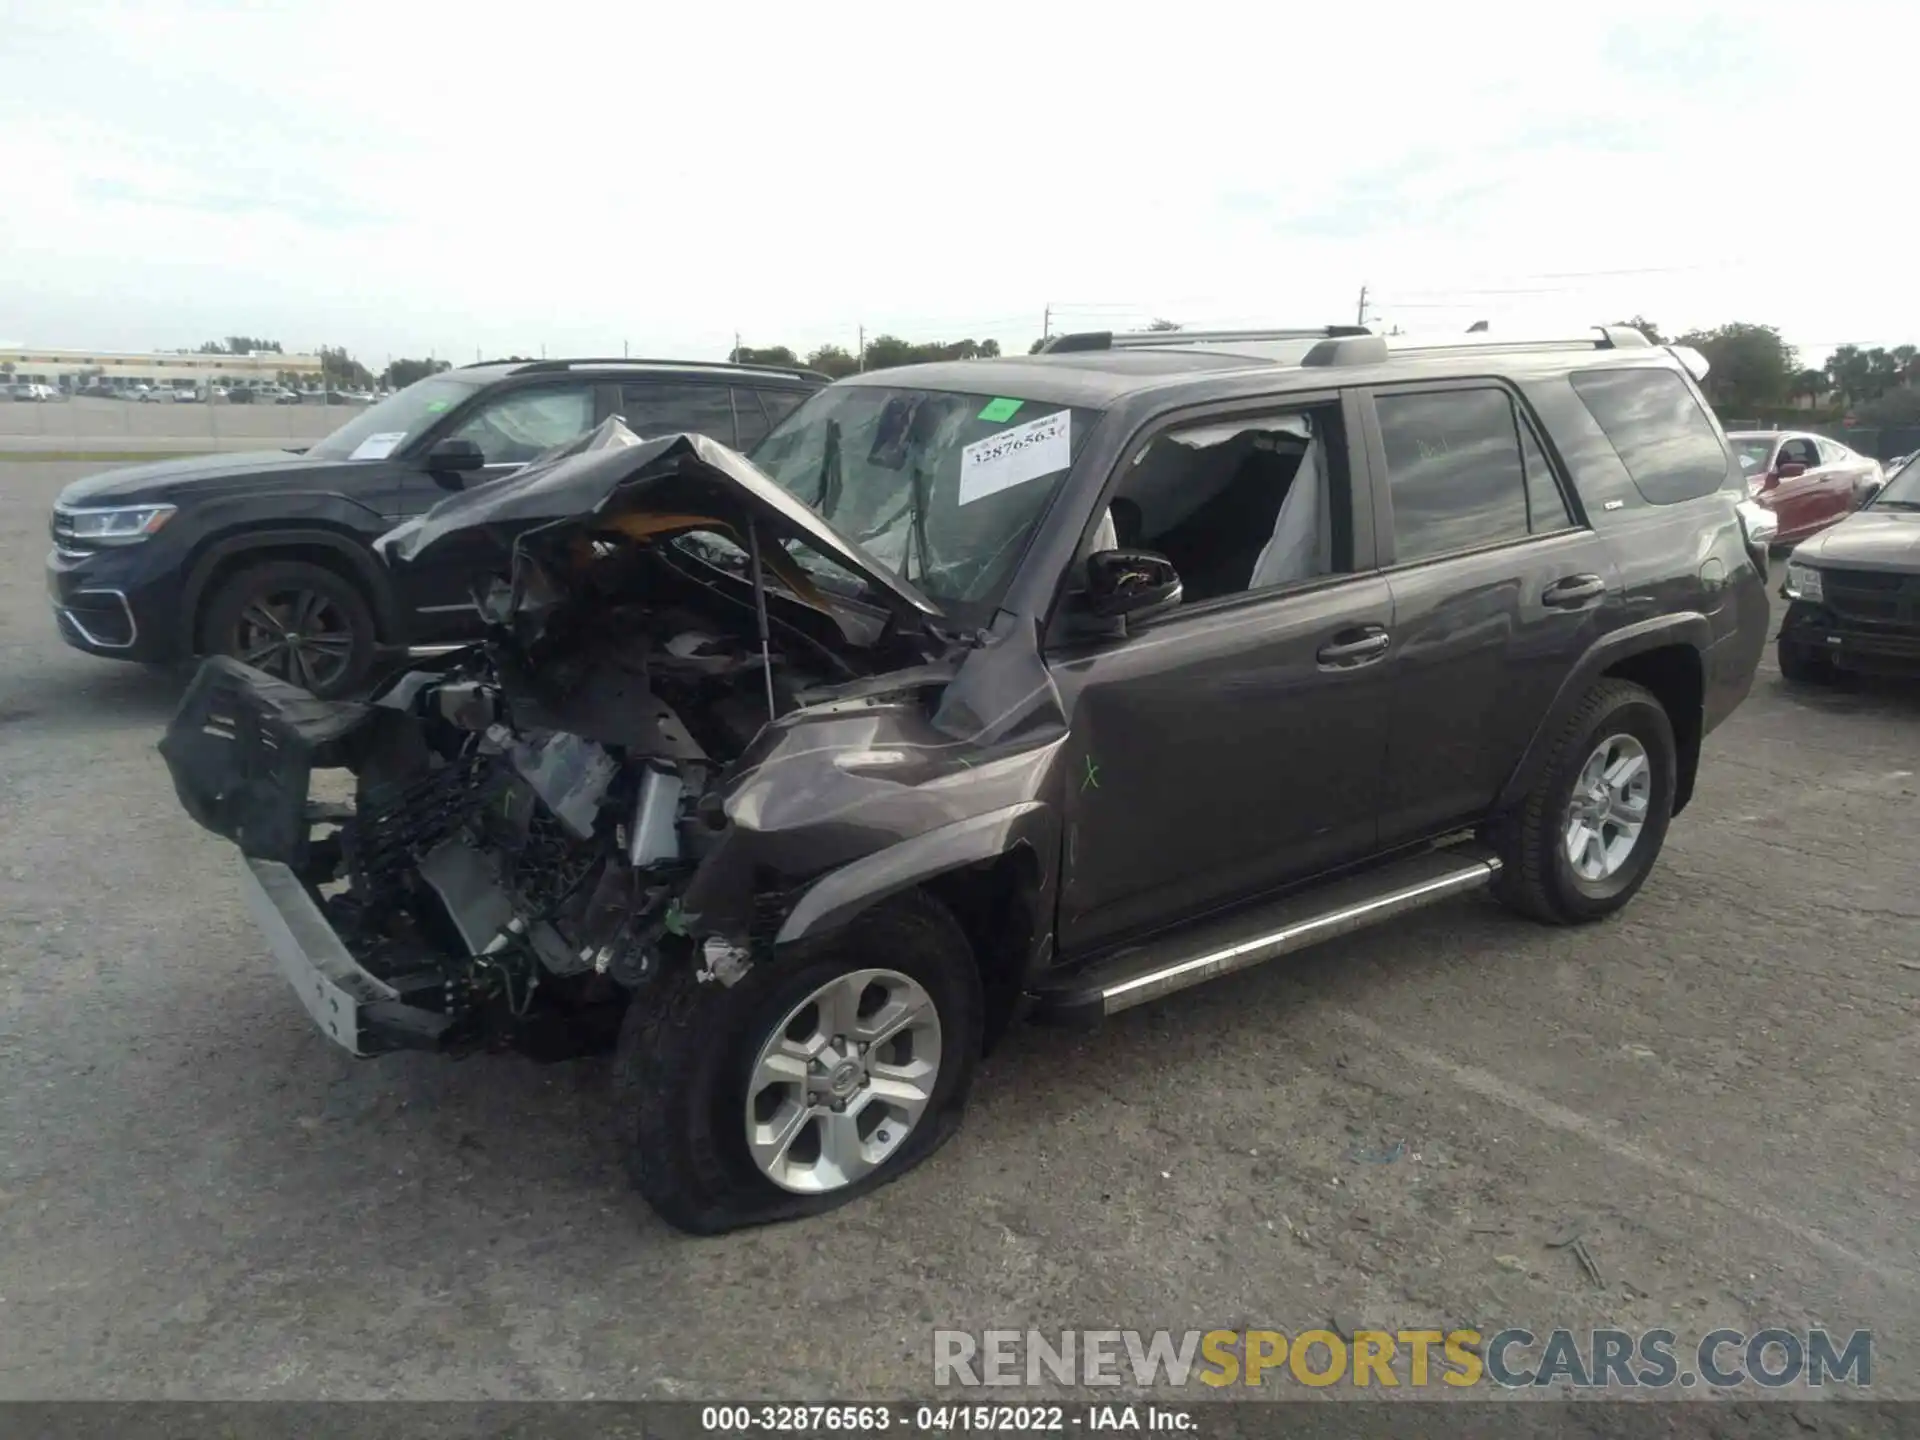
(1660, 432)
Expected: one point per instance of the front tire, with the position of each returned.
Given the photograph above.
(1585, 837)
(298, 621)
(756, 1103)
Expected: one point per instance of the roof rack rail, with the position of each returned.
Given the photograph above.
(1378, 349)
(1151, 339)
(639, 362)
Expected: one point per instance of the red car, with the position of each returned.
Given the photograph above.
(1808, 481)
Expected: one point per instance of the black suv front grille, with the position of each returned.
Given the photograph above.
(1873, 597)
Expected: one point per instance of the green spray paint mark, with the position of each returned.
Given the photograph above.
(434, 407)
(998, 410)
(1091, 781)
(675, 922)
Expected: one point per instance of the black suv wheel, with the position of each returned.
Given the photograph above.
(295, 620)
(805, 1084)
(1587, 834)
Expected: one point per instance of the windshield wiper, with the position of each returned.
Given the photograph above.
(1895, 505)
(917, 518)
(827, 500)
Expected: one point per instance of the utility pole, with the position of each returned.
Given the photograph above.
(1360, 315)
(735, 356)
(1046, 322)
(624, 352)
(862, 361)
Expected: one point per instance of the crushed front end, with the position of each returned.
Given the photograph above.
(503, 861)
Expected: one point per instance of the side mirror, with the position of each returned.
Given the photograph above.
(1130, 582)
(455, 457)
(1786, 470)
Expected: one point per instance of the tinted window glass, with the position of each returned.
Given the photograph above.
(1658, 429)
(1546, 506)
(518, 426)
(1453, 470)
(749, 420)
(668, 407)
(781, 403)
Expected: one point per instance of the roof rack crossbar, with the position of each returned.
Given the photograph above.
(1150, 339)
(1378, 349)
(639, 362)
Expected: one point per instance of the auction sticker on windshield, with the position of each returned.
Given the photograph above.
(1015, 456)
(378, 447)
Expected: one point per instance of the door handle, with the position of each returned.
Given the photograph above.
(1573, 592)
(1370, 645)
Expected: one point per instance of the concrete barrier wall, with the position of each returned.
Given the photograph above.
(213, 427)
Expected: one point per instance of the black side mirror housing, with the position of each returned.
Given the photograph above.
(454, 456)
(1130, 583)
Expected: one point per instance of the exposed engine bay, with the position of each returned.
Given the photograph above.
(526, 814)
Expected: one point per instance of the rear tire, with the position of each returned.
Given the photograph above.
(692, 1062)
(298, 621)
(1802, 666)
(1615, 760)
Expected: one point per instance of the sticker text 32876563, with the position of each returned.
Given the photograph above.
(1016, 455)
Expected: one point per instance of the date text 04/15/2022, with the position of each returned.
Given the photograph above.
(940, 1419)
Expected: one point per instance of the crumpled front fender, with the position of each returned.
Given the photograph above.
(838, 896)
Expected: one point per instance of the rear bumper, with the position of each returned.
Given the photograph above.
(354, 1008)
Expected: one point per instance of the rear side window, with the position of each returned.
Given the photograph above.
(749, 420)
(1658, 430)
(666, 407)
(1458, 476)
(781, 403)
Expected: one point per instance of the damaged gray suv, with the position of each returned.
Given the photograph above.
(1052, 684)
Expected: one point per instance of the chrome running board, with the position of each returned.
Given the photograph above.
(1219, 947)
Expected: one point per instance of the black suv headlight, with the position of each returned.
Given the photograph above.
(115, 525)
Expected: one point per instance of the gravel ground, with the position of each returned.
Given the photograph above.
(200, 1198)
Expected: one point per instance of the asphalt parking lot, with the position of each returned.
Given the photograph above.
(199, 1197)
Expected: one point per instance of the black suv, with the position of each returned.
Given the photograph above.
(267, 556)
(1855, 590)
(1048, 684)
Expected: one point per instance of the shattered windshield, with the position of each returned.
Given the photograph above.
(943, 488)
(379, 430)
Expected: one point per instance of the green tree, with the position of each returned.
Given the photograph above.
(1851, 372)
(1645, 327)
(1037, 346)
(833, 361)
(247, 344)
(1899, 406)
(770, 355)
(1810, 383)
(402, 373)
(1163, 325)
(1749, 366)
(341, 371)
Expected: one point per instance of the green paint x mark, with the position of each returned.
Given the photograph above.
(1092, 779)
(1002, 409)
(434, 407)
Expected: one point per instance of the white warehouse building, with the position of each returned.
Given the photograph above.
(76, 370)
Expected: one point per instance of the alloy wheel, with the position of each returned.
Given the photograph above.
(843, 1081)
(1608, 808)
(300, 636)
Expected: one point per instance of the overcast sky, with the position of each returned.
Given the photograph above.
(408, 177)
